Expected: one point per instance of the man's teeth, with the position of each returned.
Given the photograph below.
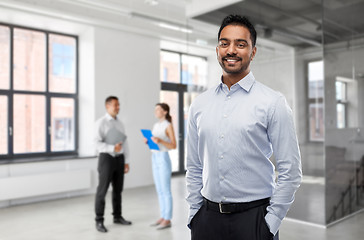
(231, 60)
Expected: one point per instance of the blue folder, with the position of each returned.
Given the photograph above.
(148, 135)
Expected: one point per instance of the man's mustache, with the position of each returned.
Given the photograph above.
(231, 57)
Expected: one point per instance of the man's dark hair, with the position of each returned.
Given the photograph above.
(240, 21)
(110, 98)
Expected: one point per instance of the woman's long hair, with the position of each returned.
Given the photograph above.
(165, 107)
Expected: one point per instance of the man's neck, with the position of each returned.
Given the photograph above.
(111, 115)
(231, 79)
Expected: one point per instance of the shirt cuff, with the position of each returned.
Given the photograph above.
(191, 215)
(273, 222)
(110, 148)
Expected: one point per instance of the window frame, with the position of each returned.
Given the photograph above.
(47, 154)
(344, 102)
(309, 101)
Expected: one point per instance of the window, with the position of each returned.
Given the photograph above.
(182, 68)
(62, 124)
(38, 93)
(194, 70)
(29, 120)
(62, 77)
(315, 100)
(170, 67)
(29, 67)
(4, 57)
(183, 77)
(3, 125)
(341, 102)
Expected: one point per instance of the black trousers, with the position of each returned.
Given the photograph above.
(111, 170)
(246, 225)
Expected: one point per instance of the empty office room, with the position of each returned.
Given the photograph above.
(166, 119)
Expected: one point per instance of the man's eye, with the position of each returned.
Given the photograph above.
(223, 44)
(240, 45)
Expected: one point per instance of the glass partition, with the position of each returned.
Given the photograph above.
(344, 107)
(309, 203)
(329, 114)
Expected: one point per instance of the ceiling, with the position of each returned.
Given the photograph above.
(297, 23)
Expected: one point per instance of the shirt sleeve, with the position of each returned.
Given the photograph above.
(101, 146)
(194, 168)
(282, 134)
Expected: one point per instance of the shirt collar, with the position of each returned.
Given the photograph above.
(246, 83)
(109, 117)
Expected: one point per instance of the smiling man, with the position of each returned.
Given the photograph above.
(233, 130)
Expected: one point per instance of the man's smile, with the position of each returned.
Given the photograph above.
(231, 60)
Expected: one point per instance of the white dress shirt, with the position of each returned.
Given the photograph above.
(103, 125)
(231, 136)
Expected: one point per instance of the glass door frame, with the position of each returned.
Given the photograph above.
(180, 89)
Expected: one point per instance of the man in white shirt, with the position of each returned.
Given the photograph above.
(113, 151)
(233, 130)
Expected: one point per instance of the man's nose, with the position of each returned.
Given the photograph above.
(232, 49)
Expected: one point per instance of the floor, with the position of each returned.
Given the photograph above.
(311, 195)
(72, 219)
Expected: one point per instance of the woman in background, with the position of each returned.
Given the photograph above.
(163, 135)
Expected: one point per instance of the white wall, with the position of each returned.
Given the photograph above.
(28, 171)
(86, 90)
(110, 62)
(127, 65)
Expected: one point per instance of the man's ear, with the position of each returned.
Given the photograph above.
(253, 53)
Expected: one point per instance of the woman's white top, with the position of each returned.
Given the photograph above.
(159, 131)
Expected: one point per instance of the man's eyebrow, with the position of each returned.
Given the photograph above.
(236, 40)
(242, 40)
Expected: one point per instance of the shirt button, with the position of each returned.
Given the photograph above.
(222, 136)
(229, 97)
(221, 156)
(225, 116)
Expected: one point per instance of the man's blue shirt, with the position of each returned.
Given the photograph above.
(231, 136)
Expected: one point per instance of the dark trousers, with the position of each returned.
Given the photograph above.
(111, 170)
(246, 225)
